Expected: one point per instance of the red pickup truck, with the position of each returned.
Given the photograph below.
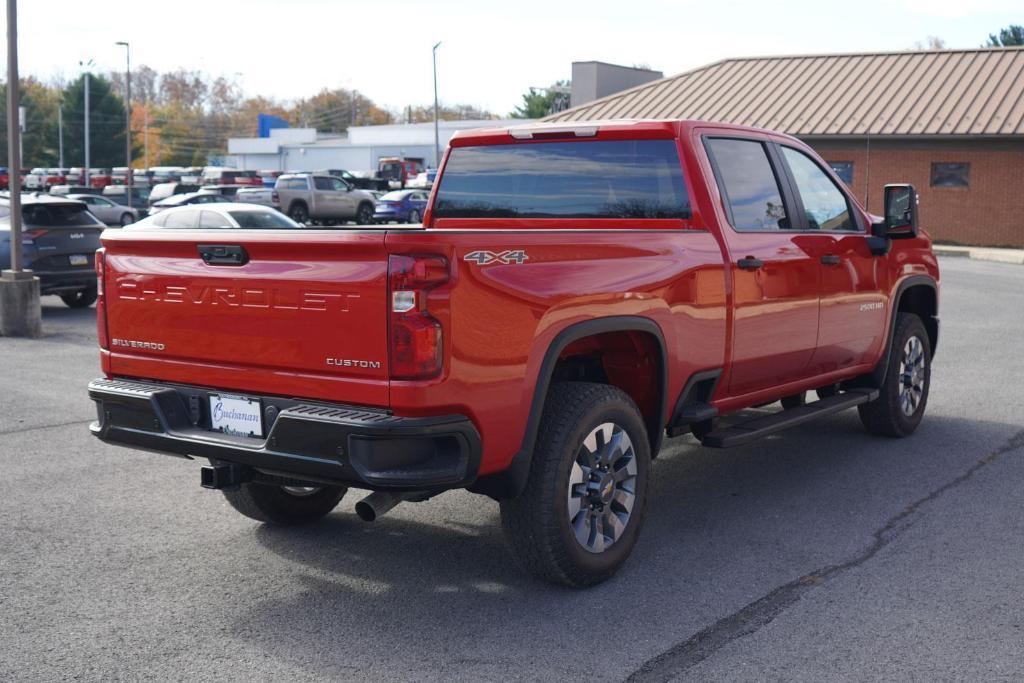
(576, 293)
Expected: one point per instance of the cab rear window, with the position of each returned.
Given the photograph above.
(578, 179)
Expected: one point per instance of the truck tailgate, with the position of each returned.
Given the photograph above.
(297, 314)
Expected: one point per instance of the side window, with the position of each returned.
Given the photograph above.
(748, 185)
(951, 175)
(338, 185)
(321, 183)
(824, 203)
(212, 219)
(181, 219)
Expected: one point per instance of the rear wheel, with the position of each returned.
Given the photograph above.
(285, 505)
(298, 213)
(903, 396)
(584, 502)
(80, 299)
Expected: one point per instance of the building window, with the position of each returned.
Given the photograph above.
(843, 169)
(951, 175)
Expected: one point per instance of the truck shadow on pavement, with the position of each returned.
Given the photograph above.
(723, 529)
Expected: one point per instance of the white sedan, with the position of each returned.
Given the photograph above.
(228, 215)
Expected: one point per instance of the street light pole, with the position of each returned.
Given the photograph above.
(60, 133)
(128, 118)
(88, 77)
(437, 137)
(20, 313)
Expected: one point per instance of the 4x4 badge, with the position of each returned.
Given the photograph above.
(483, 258)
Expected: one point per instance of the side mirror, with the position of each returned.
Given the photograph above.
(900, 211)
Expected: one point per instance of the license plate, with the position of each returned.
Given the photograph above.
(236, 415)
(79, 260)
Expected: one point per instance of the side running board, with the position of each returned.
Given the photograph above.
(751, 430)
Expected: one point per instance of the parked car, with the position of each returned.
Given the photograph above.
(401, 206)
(99, 177)
(184, 199)
(424, 179)
(108, 211)
(323, 198)
(5, 178)
(119, 175)
(165, 190)
(398, 171)
(269, 177)
(191, 175)
(165, 174)
(59, 240)
(35, 180)
(358, 181)
(58, 190)
(226, 215)
(213, 175)
(258, 195)
(536, 342)
(119, 194)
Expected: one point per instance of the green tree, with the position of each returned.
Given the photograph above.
(539, 102)
(39, 141)
(106, 124)
(1007, 37)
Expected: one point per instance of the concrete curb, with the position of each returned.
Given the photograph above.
(1015, 256)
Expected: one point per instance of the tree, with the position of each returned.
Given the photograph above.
(333, 111)
(454, 112)
(539, 102)
(39, 141)
(106, 123)
(1009, 36)
(930, 43)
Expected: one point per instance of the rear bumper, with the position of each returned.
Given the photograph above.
(62, 281)
(309, 441)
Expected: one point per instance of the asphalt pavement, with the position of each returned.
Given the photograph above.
(820, 554)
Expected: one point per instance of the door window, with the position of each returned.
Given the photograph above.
(748, 184)
(339, 185)
(825, 205)
(321, 183)
(212, 219)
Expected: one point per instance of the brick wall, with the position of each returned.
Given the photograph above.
(990, 212)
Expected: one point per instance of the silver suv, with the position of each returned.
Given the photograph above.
(312, 197)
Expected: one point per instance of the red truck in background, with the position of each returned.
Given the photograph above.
(398, 171)
(576, 293)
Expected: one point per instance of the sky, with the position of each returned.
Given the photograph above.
(490, 52)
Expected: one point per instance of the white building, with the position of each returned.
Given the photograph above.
(302, 149)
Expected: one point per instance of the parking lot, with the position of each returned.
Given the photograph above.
(819, 553)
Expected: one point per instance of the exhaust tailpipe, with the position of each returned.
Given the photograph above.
(378, 503)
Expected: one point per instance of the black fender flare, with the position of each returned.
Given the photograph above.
(876, 377)
(510, 482)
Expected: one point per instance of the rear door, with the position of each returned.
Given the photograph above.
(296, 313)
(775, 275)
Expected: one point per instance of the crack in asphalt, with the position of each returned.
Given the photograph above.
(752, 617)
(34, 428)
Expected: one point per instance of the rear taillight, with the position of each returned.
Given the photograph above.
(31, 235)
(416, 339)
(101, 300)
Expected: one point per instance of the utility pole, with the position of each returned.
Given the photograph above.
(437, 137)
(20, 314)
(60, 134)
(130, 180)
(88, 77)
(145, 135)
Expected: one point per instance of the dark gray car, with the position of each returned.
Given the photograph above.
(58, 244)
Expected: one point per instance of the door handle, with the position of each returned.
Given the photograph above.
(223, 254)
(750, 263)
(830, 260)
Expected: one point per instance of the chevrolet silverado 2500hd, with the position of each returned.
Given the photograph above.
(576, 293)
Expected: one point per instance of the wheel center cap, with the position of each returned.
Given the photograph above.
(606, 488)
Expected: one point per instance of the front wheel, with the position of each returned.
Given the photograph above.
(364, 215)
(904, 394)
(284, 505)
(581, 512)
(414, 216)
(127, 219)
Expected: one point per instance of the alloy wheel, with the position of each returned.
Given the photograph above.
(602, 486)
(912, 376)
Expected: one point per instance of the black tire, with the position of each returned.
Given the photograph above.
(414, 216)
(827, 391)
(795, 401)
(906, 383)
(537, 523)
(80, 299)
(364, 214)
(127, 219)
(298, 213)
(272, 504)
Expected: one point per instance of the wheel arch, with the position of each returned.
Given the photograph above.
(510, 482)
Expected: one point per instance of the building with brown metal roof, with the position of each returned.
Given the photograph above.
(949, 121)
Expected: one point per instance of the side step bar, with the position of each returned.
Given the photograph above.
(751, 430)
